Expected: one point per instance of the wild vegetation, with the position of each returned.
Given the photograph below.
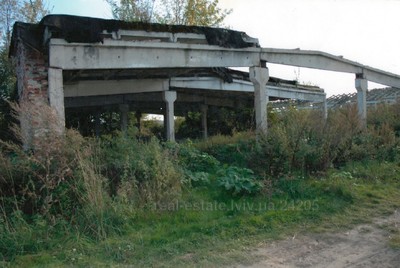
(120, 200)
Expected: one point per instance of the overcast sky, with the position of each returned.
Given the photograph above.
(366, 31)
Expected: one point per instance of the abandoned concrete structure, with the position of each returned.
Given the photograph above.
(69, 61)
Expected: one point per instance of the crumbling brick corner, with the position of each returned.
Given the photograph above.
(32, 83)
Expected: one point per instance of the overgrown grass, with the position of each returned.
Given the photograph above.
(120, 201)
(208, 230)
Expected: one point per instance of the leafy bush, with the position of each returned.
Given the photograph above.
(234, 150)
(238, 181)
(193, 159)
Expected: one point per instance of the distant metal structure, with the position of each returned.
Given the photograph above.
(376, 96)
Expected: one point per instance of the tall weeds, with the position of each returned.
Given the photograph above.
(62, 182)
(303, 141)
(140, 173)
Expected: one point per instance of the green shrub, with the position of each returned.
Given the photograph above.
(233, 150)
(238, 181)
(302, 142)
(191, 158)
(385, 114)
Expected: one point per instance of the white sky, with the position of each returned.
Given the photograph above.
(366, 31)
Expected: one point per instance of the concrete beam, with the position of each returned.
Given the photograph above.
(93, 101)
(169, 97)
(116, 87)
(213, 83)
(113, 87)
(118, 54)
(159, 36)
(126, 55)
(325, 61)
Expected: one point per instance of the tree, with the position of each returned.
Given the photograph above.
(33, 10)
(8, 15)
(204, 13)
(8, 93)
(19, 10)
(183, 12)
(133, 10)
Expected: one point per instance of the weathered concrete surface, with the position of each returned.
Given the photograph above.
(260, 76)
(362, 89)
(169, 98)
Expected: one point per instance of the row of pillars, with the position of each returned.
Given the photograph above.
(259, 76)
(169, 98)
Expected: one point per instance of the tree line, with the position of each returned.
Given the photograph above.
(182, 12)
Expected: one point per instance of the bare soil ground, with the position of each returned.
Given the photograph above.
(363, 246)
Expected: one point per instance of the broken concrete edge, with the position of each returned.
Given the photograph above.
(89, 30)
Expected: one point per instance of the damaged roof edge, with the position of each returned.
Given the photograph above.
(89, 30)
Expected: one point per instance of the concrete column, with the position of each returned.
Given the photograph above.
(138, 115)
(169, 123)
(204, 110)
(124, 109)
(56, 95)
(362, 89)
(325, 108)
(259, 76)
(97, 123)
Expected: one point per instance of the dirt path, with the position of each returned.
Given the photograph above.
(364, 246)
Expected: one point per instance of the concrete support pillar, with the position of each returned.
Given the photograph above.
(97, 123)
(362, 89)
(204, 110)
(124, 110)
(169, 123)
(138, 115)
(325, 108)
(56, 96)
(259, 76)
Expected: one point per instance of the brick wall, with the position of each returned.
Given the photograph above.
(32, 75)
(32, 82)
